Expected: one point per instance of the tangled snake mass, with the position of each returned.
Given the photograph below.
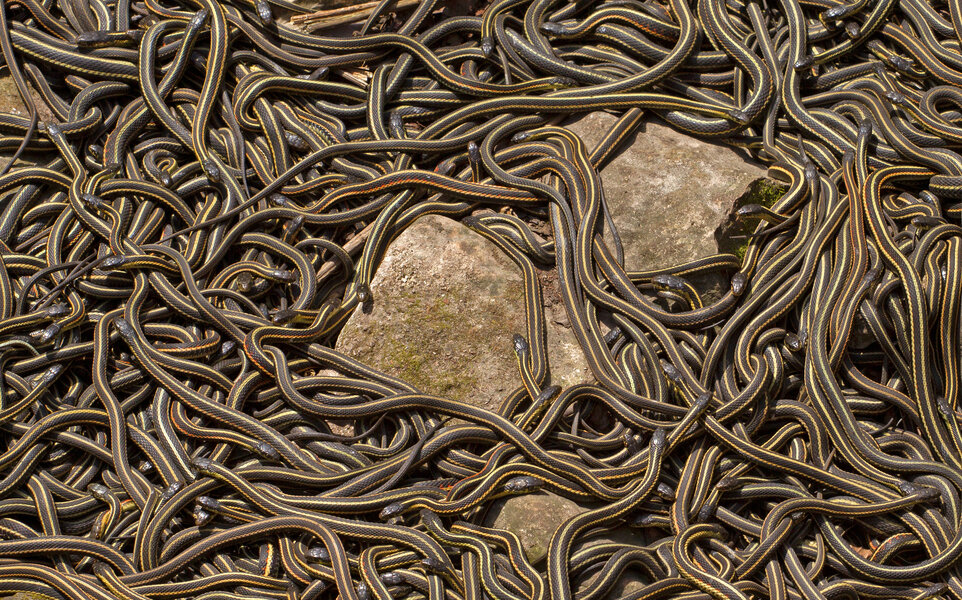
(184, 237)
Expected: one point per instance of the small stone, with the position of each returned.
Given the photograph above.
(533, 518)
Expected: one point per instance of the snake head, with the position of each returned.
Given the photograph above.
(739, 116)
(552, 28)
(445, 167)
(665, 491)
(112, 262)
(92, 39)
(521, 347)
(197, 21)
(283, 275)
(227, 348)
(264, 12)
(295, 141)
(396, 123)
(53, 129)
(50, 374)
(209, 503)
(659, 439)
(668, 281)
(926, 222)
(644, 520)
(805, 62)
(57, 309)
(474, 153)
(201, 516)
(727, 483)
(204, 466)
(281, 317)
(391, 510)
(522, 483)
(900, 63)
(212, 171)
(793, 342)
(432, 565)
(546, 395)
(98, 491)
(267, 451)
(613, 334)
(487, 46)
(895, 98)
(706, 513)
(738, 283)
(92, 201)
(671, 372)
(836, 12)
(363, 292)
(392, 578)
(42, 336)
(319, 553)
(125, 329)
(702, 402)
(749, 210)
(944, 408)
(171, 490)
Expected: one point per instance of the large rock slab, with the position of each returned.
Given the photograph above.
(667, 191)
(10, 101)
(446, 305)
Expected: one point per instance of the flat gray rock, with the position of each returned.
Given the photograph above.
(668, 192)
(446, 305)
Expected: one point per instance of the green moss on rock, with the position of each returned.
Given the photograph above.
(408, 349)
(732, 235)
